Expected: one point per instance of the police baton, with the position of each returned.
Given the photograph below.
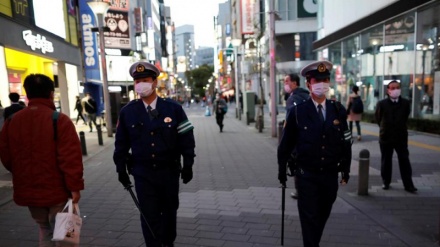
(283, 204)
(128, 187)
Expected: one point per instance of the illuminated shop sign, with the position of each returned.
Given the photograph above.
(37, 42)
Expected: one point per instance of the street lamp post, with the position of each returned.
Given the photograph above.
(272, 54)
(375, 44)
(236, 43)
(99, 8)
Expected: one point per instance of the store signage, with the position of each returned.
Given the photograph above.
(37, 42)
(247, 19)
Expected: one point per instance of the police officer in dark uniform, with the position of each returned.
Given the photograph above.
(158, 133)
(317, 130)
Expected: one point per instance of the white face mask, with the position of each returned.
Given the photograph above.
(144, 89)
(287, 88)
(394, 94)
(320, 89)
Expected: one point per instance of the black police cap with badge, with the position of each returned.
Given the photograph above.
(143, 70)
(317, 70)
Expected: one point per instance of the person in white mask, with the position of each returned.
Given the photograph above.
(317, 132)
(161, 140)
(392, 116)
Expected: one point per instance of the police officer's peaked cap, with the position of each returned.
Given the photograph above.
(317, 70)
(143, 70)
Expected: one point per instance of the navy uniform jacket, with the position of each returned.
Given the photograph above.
(154, 143)
(318, 148)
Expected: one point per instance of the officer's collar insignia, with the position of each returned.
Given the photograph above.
(167, 120)
(336, 122)
(321, 68)
(140, 68)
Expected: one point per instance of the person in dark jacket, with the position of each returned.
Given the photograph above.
(91, 109)
(318, 132)
(79, 109)
(392, 117)
(219, 108)
(14, 107)
(296, 96)
(159, 134)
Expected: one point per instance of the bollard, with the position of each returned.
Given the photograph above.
(364, 168)
(280, 130)
(99, 130)
(83, 142)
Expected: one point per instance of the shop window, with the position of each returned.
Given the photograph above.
(426, 82)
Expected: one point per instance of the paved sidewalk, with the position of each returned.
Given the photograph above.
(234, 198)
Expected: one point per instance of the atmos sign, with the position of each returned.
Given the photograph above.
(37, 42)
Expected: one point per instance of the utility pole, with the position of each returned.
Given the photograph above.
(272, 53)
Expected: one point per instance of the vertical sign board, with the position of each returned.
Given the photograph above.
(90, 54)
(89, 42)
(247, 16)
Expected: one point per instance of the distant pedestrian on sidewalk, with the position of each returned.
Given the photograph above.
(43, 155)
(317, 131)
(220, 108)
(158, 133)
(392, 117)
(296, 96)
(355, 109)
(91, 109)
(14, 107)
(79, 109)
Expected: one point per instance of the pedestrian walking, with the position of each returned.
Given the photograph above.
(392, 117)
(355, 108)
(91, 109)
(158, 133)
(317, 131)
(41, 148)
(296, 96)
(14, 107)
(79, 109)
(220, 108)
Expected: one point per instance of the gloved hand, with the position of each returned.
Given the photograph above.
(282, 174)
(124, 179)
(187, 174)
(282, 177)
(345, 177)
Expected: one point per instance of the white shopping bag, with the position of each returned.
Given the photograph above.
(68, 224)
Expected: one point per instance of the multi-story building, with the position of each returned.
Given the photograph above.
(185, 49)
(384, 40)
(204, 55)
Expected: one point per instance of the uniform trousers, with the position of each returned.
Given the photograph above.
(386, 168)
(158, 195)
(316, 194)
(45, 218)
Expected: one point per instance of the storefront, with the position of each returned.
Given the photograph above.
(403, 46)
(26, 50)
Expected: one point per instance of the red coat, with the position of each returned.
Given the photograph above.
(44, 173)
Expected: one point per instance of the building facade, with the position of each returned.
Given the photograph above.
(32, 43)
(388, 40)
